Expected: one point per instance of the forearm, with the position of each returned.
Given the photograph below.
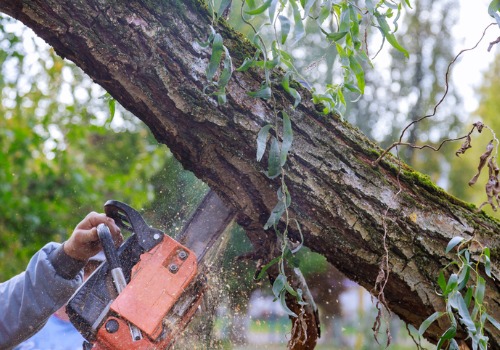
(28, 299)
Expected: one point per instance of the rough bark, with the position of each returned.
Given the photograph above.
(145, 53)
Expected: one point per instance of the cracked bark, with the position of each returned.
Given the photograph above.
(145, 53)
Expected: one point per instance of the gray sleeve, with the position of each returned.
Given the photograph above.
(28, 299)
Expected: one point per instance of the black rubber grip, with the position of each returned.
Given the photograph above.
(108, 246)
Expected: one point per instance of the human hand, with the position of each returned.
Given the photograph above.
(84, 241)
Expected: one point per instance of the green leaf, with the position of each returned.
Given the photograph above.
(279, 285)
(301, 238)
(262, 141)
(493, 7)
(358, 71)
(266, 267)
(273, 164)
(449, 334)
(298, 29)
(463, 278)
(112, 109)
(487, 261)
(287, 138)
(480, 288)
(468, 296)
(336, 36)
(285, 306)
(275, 215)
(428, 321)
(307, 7)
(264, 92)
(285, 28)
(246, 65)
(386, 31)
(217, 49)
(453, 345)
(286, 86)
(465, 318)
(260, 9)
(494, 322)
(224, 4)
(272, 10)
(453, 242)
(452, 284)
(442, 281)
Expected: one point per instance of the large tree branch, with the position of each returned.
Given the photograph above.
(145, 53)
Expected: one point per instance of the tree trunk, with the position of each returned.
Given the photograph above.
(146, 54)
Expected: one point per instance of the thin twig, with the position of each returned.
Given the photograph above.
(400, 142)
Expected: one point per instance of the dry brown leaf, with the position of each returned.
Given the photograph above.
(482, 162)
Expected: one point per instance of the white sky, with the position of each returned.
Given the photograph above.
(468, 70)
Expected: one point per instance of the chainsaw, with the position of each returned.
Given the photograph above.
(147, 290)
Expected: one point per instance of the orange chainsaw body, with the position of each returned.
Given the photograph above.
(159, 300)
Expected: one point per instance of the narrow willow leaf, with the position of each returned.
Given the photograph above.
(286, 85)
(272, 10)
(370, 6)
(279, 285)
(260, 9)
(290, 290)
(480, 288)
(217, 49)
(453, 345)
(285, 28)
(452, 284)
(275, 215)
(354, 27)
(298, 28)
(449, 334)
(386, 31)
(246, 65)
(112, 109)
(453, 242)
(224, 77)
(285, 306)
(487, 261)
(468, 296)
(266, 267)
(296, 249)
(493, 322)
(273, 164)
(264, 92)
(465, 317)
(428, 321)
(307, 7)
(336, 36)
(442, 281)
(262, 141)
(224, 5)
(493, 7)
(358, 71)
(345, 19)
(287, 138)
(251, 4)
(408, 3)
(463, 277)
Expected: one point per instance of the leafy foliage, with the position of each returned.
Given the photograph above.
(62, 153)
(464, 293)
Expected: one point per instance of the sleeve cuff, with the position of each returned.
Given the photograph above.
(65, 266)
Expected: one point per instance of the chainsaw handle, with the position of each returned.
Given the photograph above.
(108, 246)
(128, 218)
